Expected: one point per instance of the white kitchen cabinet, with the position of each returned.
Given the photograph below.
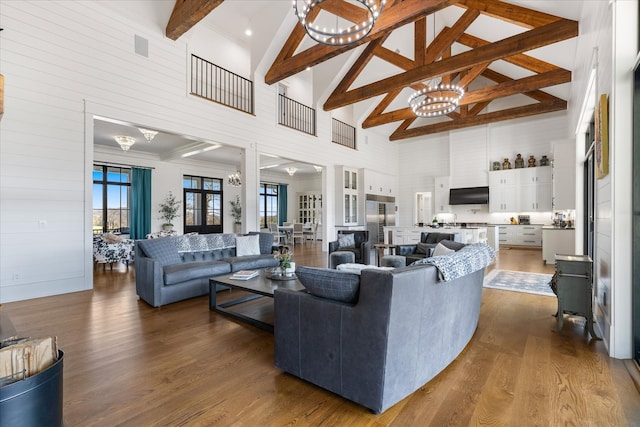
(520, 235)
(521, 190)
(536, 189)
(503, 191)
(347, 200)
(441, 194)
(378, 183)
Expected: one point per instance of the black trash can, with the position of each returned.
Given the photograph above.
(34, 401)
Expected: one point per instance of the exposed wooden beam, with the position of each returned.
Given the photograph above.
(186, 14)
(538, 95)
(512, 13)
(448, 36)
(521, 60)
(532, 39)
(394, 16)
(481, 119)
(487, 94)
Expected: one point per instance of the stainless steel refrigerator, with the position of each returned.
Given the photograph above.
(381, 212)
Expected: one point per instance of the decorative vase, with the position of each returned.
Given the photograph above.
(532, 161)
(506, 164)
(237, 227)
(496, 166)
(544, 161)
(519, 161)
(288, 272)
(167, 227)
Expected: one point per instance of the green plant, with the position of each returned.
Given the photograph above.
(236, 210)
(169, 209)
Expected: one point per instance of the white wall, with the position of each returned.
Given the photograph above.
(466, 155)
(66, 61)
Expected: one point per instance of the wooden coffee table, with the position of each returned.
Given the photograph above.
(259, 286)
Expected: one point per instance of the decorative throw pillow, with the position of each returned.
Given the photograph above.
(331, 284)
(162, 249)
(441, 250)
(111, 238)
(183, 243)
(346, 241)
(450, 244)
(423, 248)
(247, 245)
(432, 238)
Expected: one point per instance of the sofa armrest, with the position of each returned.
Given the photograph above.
(333, 246)
(365, 249)
(149, 280)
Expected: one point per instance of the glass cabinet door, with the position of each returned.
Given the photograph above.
(354, 180)
(354, 209)
(347, 175)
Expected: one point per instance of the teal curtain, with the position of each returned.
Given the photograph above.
(282, 203)
(140, 203)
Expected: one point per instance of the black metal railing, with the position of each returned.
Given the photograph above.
(216, 84)
(343, 134)
(296, 116)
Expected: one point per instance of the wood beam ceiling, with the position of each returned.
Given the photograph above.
(436, 60)
(186, 14)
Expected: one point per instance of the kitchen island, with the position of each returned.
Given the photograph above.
(411, 235)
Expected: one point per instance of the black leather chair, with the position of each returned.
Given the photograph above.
(428, 241)
(361, 248)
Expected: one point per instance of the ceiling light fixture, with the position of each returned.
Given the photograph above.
(125, 141)
(317, 168)
(235, 179)
(335, 35)
(148, 134)
(436, 100)
(291, 171)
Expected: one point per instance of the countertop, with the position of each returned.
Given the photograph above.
(556, 227)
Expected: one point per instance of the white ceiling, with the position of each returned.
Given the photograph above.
(167, 146)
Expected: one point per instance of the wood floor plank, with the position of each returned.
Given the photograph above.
(130, 364)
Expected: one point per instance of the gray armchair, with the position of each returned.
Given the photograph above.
(361, 247)
(428, 242)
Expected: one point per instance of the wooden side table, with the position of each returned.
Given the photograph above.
(573, 285)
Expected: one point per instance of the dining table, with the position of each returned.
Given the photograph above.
(288, 232)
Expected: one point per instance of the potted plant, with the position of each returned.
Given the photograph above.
(236, 213)
(169, 210)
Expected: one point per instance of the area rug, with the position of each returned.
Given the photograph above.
(519, 281)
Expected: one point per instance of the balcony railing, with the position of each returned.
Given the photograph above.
(343, 134)
(296, 116)
(216, 84)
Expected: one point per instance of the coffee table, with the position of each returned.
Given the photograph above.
(259, 286)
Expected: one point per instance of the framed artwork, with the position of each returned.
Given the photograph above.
(602, 137)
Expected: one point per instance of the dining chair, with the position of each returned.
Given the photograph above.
(311, 232)
(298, 232)
(277, 235)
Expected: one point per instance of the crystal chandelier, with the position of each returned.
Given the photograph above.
(148, 134)
(235, 179)
(436, 100)
(125, 141)
(291, 171)
(335, 35)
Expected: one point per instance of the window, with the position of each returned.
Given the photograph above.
(111, 189)
(268, 204)
(202, 204)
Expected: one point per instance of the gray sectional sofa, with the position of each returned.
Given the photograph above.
(377, 337)
(170, 269)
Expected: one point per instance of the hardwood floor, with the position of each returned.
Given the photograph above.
(127, 363)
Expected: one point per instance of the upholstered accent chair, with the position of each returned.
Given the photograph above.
(356, 241)
(107, 250)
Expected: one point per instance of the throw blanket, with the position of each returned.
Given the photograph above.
(465, 261)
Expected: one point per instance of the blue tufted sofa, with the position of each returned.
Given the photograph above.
(170, 269)
(377, 337)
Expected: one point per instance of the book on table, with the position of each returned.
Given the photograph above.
(245, 274)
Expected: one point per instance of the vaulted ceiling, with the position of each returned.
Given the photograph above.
(503, 79)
